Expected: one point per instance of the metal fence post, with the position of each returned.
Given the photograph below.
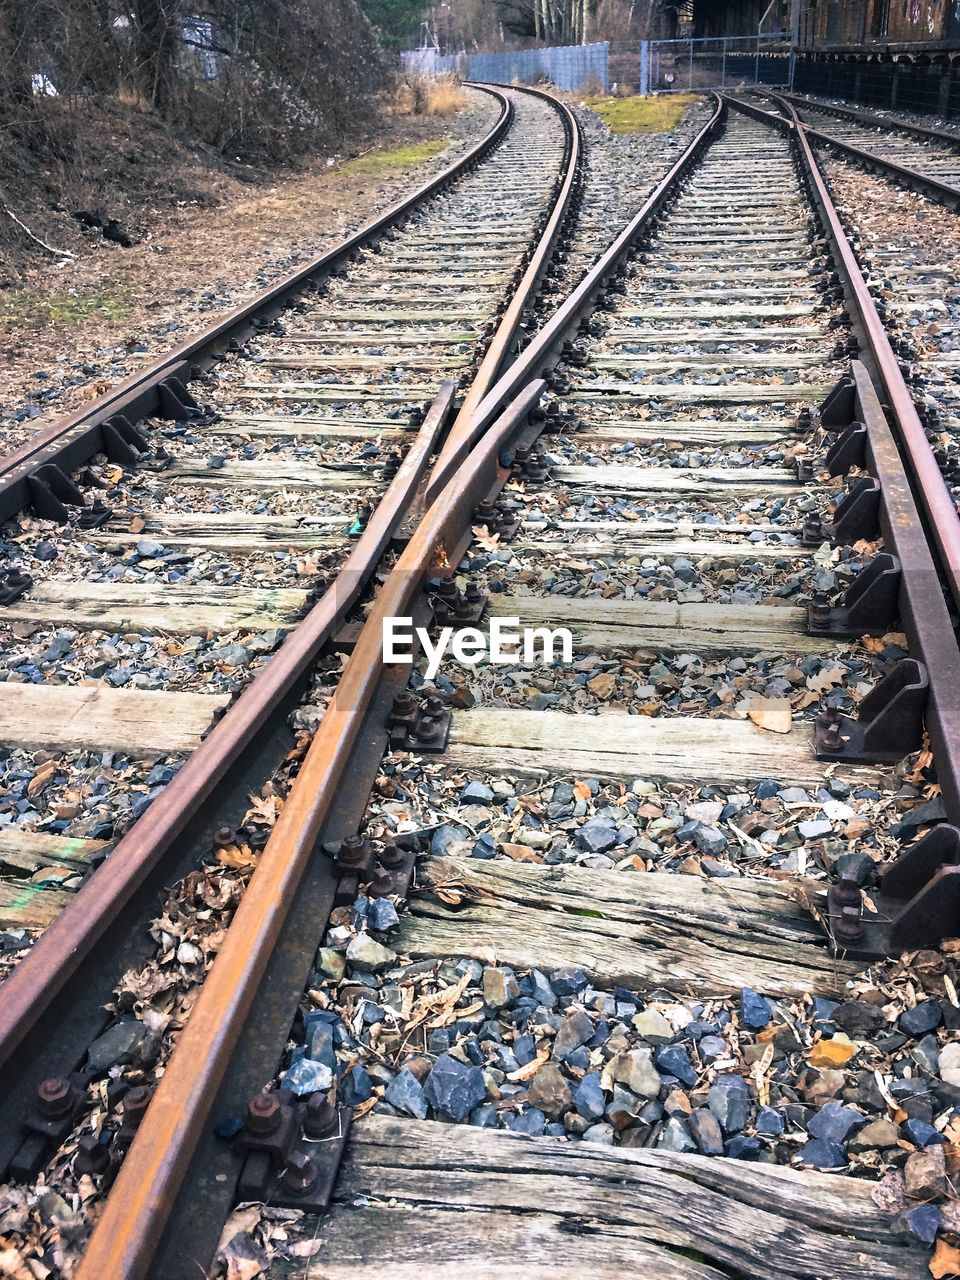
(644, 68)
(690, 70)
(723, 63)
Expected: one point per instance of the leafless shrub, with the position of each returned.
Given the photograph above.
(253, 77)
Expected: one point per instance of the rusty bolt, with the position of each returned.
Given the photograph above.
(380, 883)
(404, 704)
(224, 835)
(352, 846)
(93, 515)
(320, 1116)
(812, 530)
(428, 728)
(820, 608)
(301, 1173)
(352, 852)
(54, 1098)
(391, 855)
(263, 1115)
(831, 740)
(135, 1103)
(848, 926)
(92, 1156)
(846, 892)
(433, 706)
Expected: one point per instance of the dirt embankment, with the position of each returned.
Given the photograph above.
(207, 232)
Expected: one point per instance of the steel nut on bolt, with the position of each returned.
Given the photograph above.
(301, 1173)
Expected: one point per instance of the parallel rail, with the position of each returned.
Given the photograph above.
(872, 121)
(914, 179)
(879, 435)
(52, 1006)
(74, 439)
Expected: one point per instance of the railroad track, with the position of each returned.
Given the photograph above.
(612, 927)
(906, 248)
(226, 519)
(925, 159)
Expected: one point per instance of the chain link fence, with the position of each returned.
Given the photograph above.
(680, 66)
(655, 66)
(578, 67)
(894, 86)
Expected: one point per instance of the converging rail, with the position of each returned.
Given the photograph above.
(557, 901)
(249, 738)
(925, 160)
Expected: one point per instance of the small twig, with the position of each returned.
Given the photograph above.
(60, 253)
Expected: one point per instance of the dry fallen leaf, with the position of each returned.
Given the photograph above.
(772, 714)
(262, 809)
(449, 896)
(13, 1266)
(945, 1261)
(236, 856)
(530, 1069)
(760, 1069)
(825, 679)
(489, 541)
(306, 1248)
(241, 1222)
(364, 1107)
(518, 852)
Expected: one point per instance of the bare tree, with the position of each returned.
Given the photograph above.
(15, 62)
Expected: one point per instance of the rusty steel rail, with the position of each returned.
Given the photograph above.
(914, 179)
(72, 936)
(920, 131)
(30, 992)
(503, 346)
(136, 1211)
(919, 902)
(538, 359)
(133, 1222)
(156, 390)
(903, 497)
(930, 488)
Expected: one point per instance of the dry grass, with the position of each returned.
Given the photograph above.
(418, 95)
(445, 96)
(659, 114)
